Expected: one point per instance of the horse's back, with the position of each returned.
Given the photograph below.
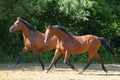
(93, 42)
(83, 43)
(86, 38)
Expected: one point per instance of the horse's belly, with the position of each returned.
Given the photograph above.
(79, 50)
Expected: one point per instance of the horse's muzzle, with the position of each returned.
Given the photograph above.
(11, 30)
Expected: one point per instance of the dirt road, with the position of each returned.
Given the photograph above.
(62, 72)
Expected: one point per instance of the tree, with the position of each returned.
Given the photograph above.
(97, 17)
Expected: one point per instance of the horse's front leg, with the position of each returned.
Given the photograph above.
(55, 58)
(20, 53)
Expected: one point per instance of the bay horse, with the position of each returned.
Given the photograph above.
(68, 44)
(33, 39)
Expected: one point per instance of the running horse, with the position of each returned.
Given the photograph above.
(33, 39)
(68, 44)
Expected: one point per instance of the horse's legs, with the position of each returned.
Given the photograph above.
(101, 60)
(56, 55)
(67, 61)
(90, 56)
(39, 59)
(20, 53)
(71, 65)
(57, 60)
(88, 64)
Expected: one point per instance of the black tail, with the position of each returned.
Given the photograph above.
(107, 45)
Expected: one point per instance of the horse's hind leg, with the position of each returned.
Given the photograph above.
(66, 61)
(71, 65)
(101, 60)
(89, 62)
(39, 59)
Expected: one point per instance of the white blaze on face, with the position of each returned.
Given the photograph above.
(47, 36)
(16, 23)
(47, 32)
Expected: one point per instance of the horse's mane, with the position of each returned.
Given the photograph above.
(28, 25)
(61, 28)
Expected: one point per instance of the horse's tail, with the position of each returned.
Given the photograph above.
(107, 45)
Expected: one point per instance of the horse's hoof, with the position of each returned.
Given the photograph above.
(43, 68)
(106, 71)
(75, 69)
(81, 72)
(46, 71)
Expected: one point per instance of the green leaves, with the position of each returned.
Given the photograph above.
(77, 9)
(97, 17)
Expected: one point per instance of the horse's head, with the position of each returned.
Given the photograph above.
(48, 34)
(17, 25)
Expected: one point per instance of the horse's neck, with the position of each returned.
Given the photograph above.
(62, 36)
(26, 32)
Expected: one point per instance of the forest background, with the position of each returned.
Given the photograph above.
(80, 17)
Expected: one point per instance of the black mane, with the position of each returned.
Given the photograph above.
(28, 25)
(61, 28)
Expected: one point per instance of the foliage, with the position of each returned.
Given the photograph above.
(97, 17)
(77, 9)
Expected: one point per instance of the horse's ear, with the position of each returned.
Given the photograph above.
(50, 26)
(18, 18)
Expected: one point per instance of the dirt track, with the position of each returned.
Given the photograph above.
(62, 72)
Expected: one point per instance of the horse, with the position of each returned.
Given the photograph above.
(33, 39)
(68, 44)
